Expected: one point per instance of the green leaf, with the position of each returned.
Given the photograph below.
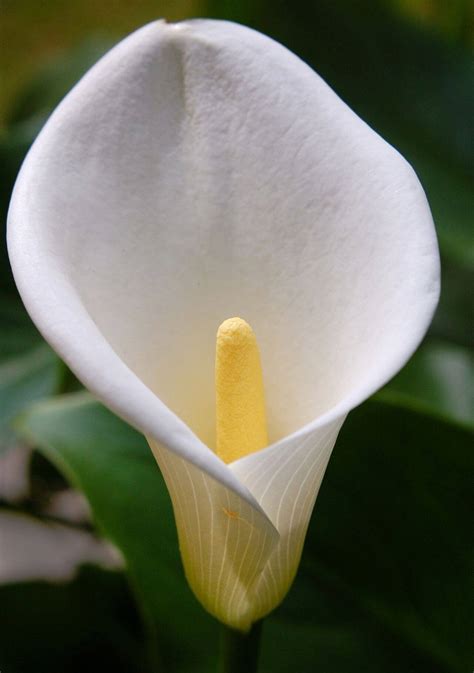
(440, 378)
(23, 380)
(29, 370)
(384, 576)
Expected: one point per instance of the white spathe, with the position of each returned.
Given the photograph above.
(201, 171)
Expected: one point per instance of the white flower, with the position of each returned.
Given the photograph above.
(200, 171)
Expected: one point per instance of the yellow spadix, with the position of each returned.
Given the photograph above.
(241, 426)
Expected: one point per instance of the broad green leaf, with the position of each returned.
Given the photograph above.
(29, 370)
(23, 380)
(384, 576)
(440, 378)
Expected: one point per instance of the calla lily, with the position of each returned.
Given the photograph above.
(200, 171)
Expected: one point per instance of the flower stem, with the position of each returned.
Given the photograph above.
(239, 651)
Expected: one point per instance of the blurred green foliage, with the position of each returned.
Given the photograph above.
(384, 584)
(33, 31)
(89, 624)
